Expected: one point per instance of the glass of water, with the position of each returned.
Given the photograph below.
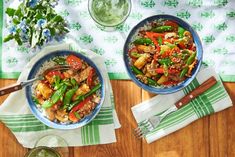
(49, 146)
(109, 13)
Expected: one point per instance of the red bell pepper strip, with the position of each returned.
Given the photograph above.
(170, 71)
(72, 115)
(181, 45)
(155, 35)
(55, 73)
(90, 76)
(74, 62)
(175, 49)
(167, 83)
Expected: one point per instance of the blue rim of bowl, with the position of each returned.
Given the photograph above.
(183, 84)
(34, 109)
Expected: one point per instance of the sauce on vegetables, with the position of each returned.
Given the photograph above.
(67, 96)
(162, 54)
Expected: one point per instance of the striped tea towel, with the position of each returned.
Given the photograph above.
(16, 115)
(213, 100)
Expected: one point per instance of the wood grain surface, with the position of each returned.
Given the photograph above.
(211, 136)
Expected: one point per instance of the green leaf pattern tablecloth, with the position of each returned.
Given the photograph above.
(214, 20)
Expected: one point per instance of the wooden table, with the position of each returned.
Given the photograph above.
(211, 136)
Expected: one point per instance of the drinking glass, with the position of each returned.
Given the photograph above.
(48, 146)
(109, 13)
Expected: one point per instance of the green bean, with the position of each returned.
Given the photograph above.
(143, 41)
(161, 29)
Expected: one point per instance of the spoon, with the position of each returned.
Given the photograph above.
(20, 85)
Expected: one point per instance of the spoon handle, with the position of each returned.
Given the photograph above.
(10, 89)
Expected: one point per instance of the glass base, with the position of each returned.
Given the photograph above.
(55, 145)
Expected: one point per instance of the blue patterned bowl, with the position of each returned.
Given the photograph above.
(183, 84)
(39, 114)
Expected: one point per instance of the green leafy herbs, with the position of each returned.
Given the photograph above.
(35, 22)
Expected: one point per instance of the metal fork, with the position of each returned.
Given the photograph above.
(151, 123)
(20, 85)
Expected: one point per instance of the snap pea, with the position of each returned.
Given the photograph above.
(166, 61)
(82, 97)
(74, 82)
(165, 68)
(161, 29)
(135, 54)
(143, 41)
(67, 82)
(138, 72)
(181, 32)
(189, 61)
(35, 100)
(68, 96)
(183, 72)
(191, 58)
(55, 97)
(151, 82)
(159, 39)
(59, 60)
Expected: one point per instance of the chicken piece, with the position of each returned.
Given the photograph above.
(83, 89)
(151, 68)
(165, 48)
(170, 35)
(50, 79)
(69, 73)
(146, 49)
(96, 99)
(141, 61)
(61, 115)
(82, 75)
(40, 100)
(142, 78)
(50, 114)
(44, 90)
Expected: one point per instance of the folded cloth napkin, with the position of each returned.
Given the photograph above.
(213, 100)
(16, 115)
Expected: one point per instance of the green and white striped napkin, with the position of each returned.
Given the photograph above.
(16, 115)
(213, 100)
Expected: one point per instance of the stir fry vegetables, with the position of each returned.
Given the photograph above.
(66, 96)
(162, 54)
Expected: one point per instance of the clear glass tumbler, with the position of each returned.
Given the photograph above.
(109, 13)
